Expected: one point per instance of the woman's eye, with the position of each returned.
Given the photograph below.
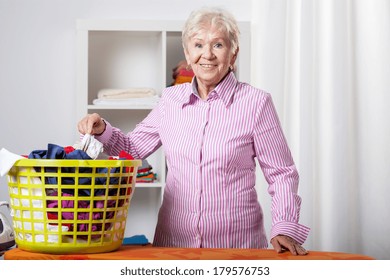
(198, 45)
(218, 45)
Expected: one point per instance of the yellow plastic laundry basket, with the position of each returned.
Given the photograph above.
(71, 206)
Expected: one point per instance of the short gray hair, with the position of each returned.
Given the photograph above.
(215, 17)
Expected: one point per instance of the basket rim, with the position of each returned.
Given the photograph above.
(77, 163)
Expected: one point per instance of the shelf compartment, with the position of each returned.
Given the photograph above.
(124, 59)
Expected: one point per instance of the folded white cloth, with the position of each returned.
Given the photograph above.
(125, 93)
(7, 160)
(126, 102)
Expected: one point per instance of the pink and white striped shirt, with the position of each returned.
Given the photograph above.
(210, 146)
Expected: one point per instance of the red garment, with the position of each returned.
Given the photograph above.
(68, 149)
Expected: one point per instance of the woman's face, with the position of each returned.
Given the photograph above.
(210, 56)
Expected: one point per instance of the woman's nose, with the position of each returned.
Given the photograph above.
(208, 52)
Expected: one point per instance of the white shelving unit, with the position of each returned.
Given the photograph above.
(128, 54)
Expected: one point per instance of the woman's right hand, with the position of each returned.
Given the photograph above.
(92, 124)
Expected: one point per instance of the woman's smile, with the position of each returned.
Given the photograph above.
(207, 65)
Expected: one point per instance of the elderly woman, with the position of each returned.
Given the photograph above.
(211, 131)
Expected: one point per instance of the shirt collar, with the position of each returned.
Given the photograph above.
(224, 90)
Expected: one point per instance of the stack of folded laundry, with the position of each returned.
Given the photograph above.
(181, 73)
(184, 76)
(129, 96)
(145, 173)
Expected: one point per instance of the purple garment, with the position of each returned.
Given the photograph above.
(82, 215)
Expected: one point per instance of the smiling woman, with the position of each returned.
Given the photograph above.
(210, 46)
(212, 130)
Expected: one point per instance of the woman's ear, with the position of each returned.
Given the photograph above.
(234, 57)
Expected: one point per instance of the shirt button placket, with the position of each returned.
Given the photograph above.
(204, 121)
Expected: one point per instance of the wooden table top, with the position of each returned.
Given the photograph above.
(136, 252)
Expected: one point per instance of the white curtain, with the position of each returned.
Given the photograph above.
(327, 65)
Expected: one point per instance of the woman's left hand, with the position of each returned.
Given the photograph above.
(283, 242)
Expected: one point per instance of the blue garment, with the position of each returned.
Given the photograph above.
(135, 240)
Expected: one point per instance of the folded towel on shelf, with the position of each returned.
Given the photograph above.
(128, 93)
(129, 101)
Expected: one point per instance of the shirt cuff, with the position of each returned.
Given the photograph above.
(106, 135)
(294, 230)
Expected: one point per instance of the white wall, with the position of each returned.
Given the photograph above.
(38, 62)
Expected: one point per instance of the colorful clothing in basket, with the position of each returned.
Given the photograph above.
(57, 152)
